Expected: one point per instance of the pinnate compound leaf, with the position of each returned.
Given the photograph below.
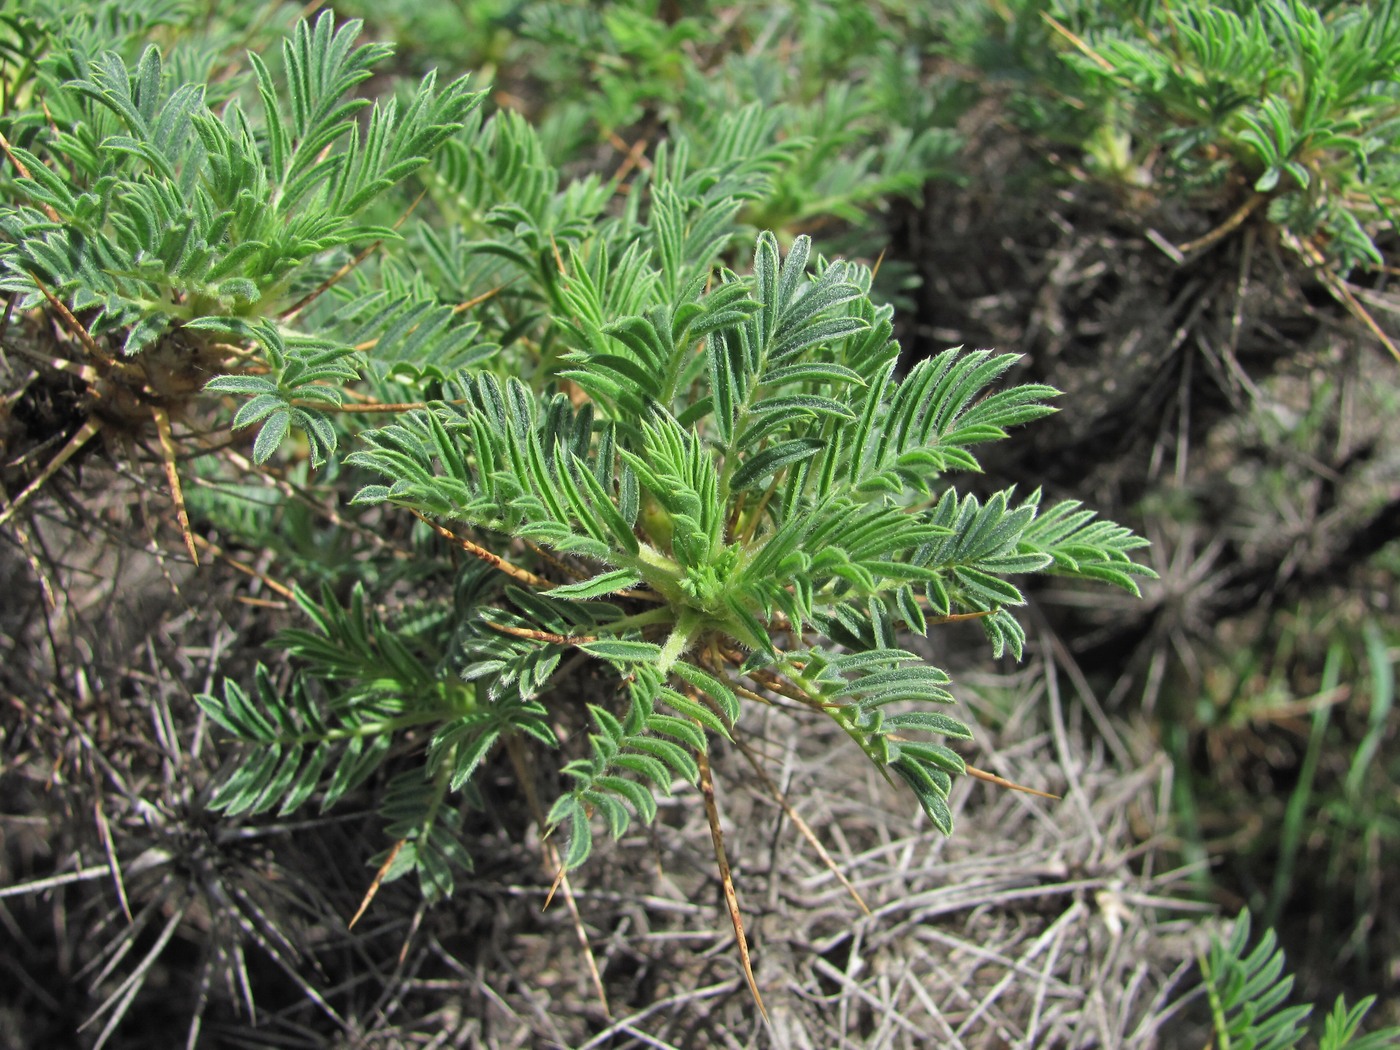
(597, 587)
(759, 467)
(712, 687)
(622, 651)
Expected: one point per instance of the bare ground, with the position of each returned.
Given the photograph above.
(131, 911)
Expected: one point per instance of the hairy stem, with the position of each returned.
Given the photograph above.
(679, 641)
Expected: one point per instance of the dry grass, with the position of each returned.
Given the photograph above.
(134, 915)
(1039, 924)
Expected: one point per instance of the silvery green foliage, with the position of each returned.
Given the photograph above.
(163, 209)
(747, 494)
(1293, 100)
(701, 450)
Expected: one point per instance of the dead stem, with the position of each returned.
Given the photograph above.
(518, 759)
(731, 899)
(494, 560)
(801, 825)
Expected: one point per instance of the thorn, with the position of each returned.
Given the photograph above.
(374, 883)
(554, 886)
(483, 297)
(802, 826)
(558, 259)
(330, 282)
(363, 407)
(412, 929)
(24, 172)
(72, 323)
(172, 475)
(1339, 289)
(26, 544)
(18, 164)
(731, 899)
(104, 833)
(959, 617)
(1078, 42)
(634, 157)
(772, 682)
(261, 603)
(540, 636)
(992, 778)
(339, 275)
(234, 563)
(518, 760)
(571, 571)
(1233, 222)
(494, 560)
(86, 373)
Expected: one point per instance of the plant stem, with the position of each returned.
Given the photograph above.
(678, 641)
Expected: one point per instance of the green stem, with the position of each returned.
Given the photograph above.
(837, 712)
(641, 619)
(679, 640)
(1217, 1008)
(657, 571)
(391, 725)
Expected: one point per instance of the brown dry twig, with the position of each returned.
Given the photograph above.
(520, 761)
(731, 899)
(481, 553)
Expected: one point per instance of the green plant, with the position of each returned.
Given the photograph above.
(1246, 993)
(714, 484)
(1283, 109)
(173, 237)
(861, 121)
(1285, 773)
(744, 480)
(1293, 737)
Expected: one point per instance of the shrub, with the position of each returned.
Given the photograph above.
(1283, 110)
(714, 484)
